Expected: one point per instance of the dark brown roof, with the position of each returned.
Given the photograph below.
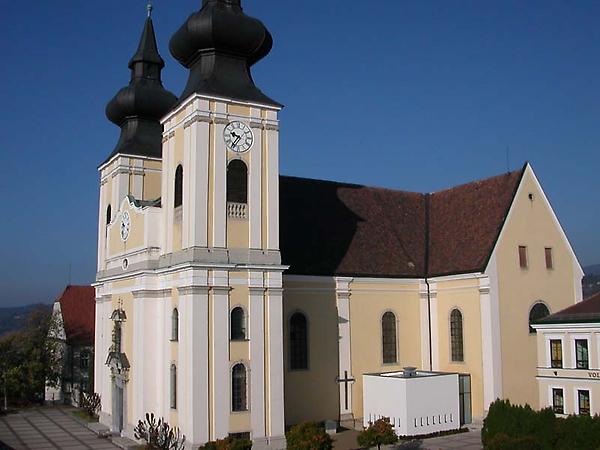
(78, 307)
(330, 228)
(586, 311)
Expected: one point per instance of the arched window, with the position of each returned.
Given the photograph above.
(238, 324)
(178, 186)
(238, 388)
(237, 182)
(537, 312)
(456, 335)
(108, 215)
(388, 338)
(173, 386)
(298, 342)
(175, 325)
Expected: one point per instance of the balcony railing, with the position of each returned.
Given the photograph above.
(237, 210)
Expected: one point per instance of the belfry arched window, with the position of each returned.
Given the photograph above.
(108, 214)
(178, 186)
(173, 386)
(239, 397)
(238, 324)
(237, 182)
(537, 312)
(388, 338)
(298, 342)
(175, 325)
(456, 336)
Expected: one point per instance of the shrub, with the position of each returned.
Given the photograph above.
(379, 433)
(517, 427)
(503, 442)
(90, 403)
(228, 444)
(158, 434)
(308, 436)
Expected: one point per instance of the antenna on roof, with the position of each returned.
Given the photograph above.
(507, 159)
(149, 8)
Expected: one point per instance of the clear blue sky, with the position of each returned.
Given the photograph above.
(415, 95)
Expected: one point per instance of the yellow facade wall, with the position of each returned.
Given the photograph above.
(368, 303)
(531, 224)
(312, 394)
(464, 296)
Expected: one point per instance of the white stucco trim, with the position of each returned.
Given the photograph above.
(257, 361)
(343, 292)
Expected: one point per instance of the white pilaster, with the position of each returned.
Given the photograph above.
(255, 184)
(257, 362)
(193, 363)
(275, 420)
(198, 178)
(424, 317)
(272, 185)
(345, 361)
(435, 341)
(220, 179)
(138, 359)
(220, 356)
(490, 333)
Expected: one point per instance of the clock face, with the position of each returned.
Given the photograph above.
(238, 137)
(125, 226)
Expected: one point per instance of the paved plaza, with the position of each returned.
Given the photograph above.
(48, 428)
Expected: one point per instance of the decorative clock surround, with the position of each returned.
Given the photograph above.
(125, 226)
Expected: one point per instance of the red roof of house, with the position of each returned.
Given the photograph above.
(78, 307)
(330, 228)
(587, 310)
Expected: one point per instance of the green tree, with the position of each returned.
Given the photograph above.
(379, 433)
(30, 358)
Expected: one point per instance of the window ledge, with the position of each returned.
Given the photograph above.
(239, 340)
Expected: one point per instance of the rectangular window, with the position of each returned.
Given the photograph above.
(581, 352)
(558, 401)
(584, 402)
(556, 354)
(523, 256)
(549, 261)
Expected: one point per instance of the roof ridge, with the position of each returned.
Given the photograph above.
(481, 180)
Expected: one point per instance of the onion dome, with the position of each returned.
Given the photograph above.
(138, 108)
(219, 44)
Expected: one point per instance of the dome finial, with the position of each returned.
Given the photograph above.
(149, 8)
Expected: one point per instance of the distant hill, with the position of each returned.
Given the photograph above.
(13, 319)
(592, 270)
(591, 281)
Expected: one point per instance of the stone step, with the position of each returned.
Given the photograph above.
(101, 430)
(125, 444)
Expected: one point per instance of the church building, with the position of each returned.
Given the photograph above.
(232, 300)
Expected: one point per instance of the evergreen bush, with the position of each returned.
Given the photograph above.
(308, 436)
(228, 444)
(379, 433)
(515, 427)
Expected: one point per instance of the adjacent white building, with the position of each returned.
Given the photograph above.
(569, 359)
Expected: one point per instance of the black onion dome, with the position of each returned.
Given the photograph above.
(219, 44)
(138, 107)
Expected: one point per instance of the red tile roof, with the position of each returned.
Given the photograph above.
(330, 228)
(586, 311)
(78, 307)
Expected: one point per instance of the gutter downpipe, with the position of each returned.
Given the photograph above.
(427, 207)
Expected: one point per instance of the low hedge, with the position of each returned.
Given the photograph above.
(515, 427)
